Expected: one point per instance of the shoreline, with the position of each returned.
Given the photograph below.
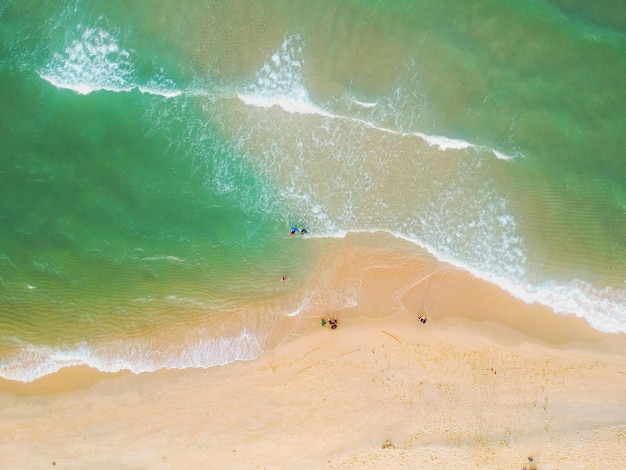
(420, 291)
(488, 381)
(397, 279)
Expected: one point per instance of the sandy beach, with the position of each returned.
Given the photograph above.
(449, 162)
(472, 387)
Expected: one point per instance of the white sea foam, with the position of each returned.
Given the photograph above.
(444, 143)
(165, 93)
(603, 308)
(161, 85)
(33, 362)
(502, 156)
(95, 61)
(364, 104)
(280, 82)
(218, 351)
(295, 313)
(291, 104)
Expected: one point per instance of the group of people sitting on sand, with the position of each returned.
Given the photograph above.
(332, 322)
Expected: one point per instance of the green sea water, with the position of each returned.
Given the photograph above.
(101, 210)
(155, 154)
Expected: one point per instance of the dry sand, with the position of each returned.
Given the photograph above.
(482, 390)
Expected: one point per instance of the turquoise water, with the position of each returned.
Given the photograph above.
(154, 156)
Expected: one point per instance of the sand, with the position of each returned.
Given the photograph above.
(474, 387)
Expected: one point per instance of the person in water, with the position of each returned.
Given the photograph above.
(293, 231)
(303, 231)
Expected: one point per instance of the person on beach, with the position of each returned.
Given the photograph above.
(332, 322)
(422, 319)
(531, 465)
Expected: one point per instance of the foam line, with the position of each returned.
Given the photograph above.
(32, 362)
(364, 104)
(288, 104)
(444, 143)
(95, 62)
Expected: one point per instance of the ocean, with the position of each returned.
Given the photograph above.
(156, 154)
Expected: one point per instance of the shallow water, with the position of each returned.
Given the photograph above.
(154, 158)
